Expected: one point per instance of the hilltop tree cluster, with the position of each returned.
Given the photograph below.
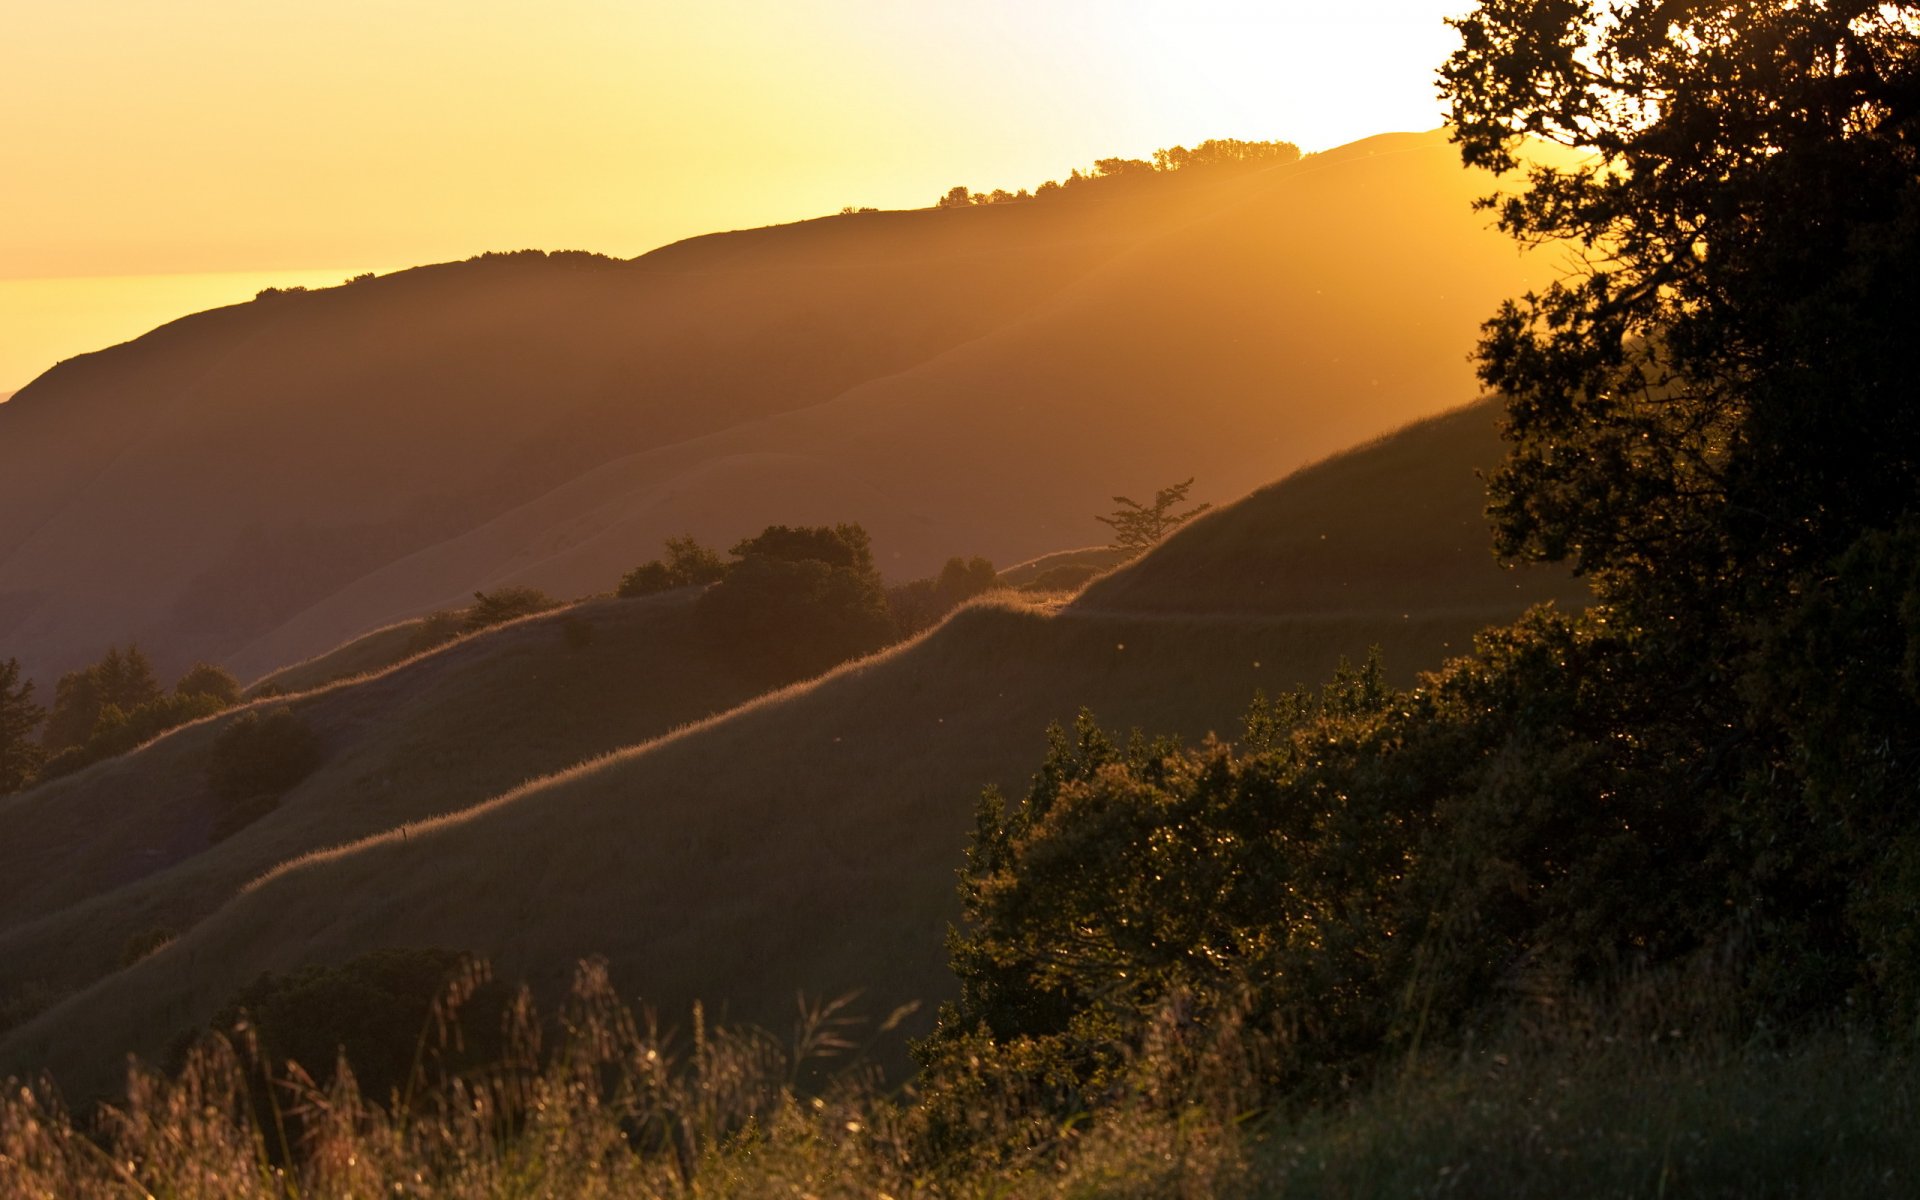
(98, 711)
(797, 600)
(1215, 154)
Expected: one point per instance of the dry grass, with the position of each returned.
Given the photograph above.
(363, 655)
(123, 850)
(805, 841)
(1593, 1102)
(1395, 526)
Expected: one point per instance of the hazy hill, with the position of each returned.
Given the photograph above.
(808, 839)
(128, 847)
(257, 483)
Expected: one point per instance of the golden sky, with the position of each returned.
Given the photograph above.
(313, 139)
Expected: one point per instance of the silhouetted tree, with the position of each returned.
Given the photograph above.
(1138, 527)
(921, 603)
(381, 1011)
(506, 604)
(257, 759)
(1711, 416)
(205, 679)
(20, 717)
(122, 680)
(798, 601)
(687, 564)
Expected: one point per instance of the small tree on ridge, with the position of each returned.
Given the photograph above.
(1138, 527)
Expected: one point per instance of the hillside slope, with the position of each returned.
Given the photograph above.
(808, 840)
(254, 484)
(128, 848)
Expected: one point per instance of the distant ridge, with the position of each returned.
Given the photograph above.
(255, 484)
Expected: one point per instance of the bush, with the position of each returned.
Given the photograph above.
(116, 732)
(798, 602)
(255, 761)
(921, 603)
(380, 1010)
(210, 681)
(1372, 871)
(506, 604)
(688, 564)
(436, 629)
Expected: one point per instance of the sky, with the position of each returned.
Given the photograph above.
(164, 157)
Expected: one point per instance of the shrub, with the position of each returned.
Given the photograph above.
(255, 761)
(208, 680)
(687, 564)
(921, 603)
(436, 629)
(506, 604)
(21, 756)
(379, 1010)
(798, 601)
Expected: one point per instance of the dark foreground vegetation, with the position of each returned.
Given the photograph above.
(1627, 902)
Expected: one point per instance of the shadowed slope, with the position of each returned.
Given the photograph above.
(974, 380)
(126, 848)
(807, 840)
(1291, 546)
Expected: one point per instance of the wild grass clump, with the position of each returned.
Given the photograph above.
(599, 1103)
(1637, 1094)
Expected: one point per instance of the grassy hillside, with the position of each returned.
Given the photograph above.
(960, 381)
(362, 655)
(806, 840)
(127, 848)
(1293, 544)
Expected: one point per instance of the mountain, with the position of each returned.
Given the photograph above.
(255, 484)
(807, 840)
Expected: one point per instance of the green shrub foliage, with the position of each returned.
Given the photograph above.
(20, 754)
(124, 708)
(921, 603)
(257, 759)
(798, 601)
(208, 680)
(687, 564)
(121, 679)
(506, 604)
(383, 1011)
(1139, 527)
(1369, 871)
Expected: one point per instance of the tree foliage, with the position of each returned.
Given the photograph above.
(920, 604)
(1709, 773)
(687, 564)
(1717, 399)
(258, 758)
(205, 679)
(121, 679)
(798, 600)
(1214, 154)
(392, 1014)
(506, 604)
(20, 718)
(1139, 527)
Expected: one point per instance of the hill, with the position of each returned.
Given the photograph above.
(808, 839)
(132, 848)
(254, 484)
